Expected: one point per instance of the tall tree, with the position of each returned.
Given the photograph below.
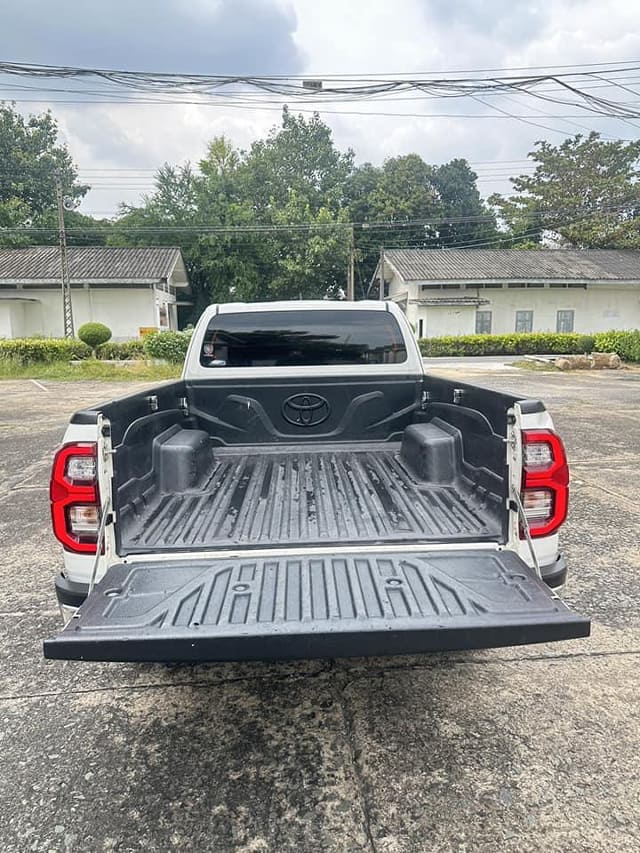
(583, 193)
(297, 157)
(263, 224)
(397, 204)
(30, 159)
(466, 219)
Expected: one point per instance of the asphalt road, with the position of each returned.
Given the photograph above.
(526, 749)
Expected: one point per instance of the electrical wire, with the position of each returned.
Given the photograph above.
(321, 226)
(567, 87)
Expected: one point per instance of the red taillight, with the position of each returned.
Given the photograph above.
(545, 481)
(74, 497)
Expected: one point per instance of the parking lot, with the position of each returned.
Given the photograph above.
(521, 749)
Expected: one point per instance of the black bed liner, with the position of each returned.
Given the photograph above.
(300, 494)
(322, 605)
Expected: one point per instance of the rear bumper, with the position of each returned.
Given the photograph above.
(69, 593)
(555, 574)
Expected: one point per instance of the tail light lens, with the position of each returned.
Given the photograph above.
(545, 482)
(74, 498)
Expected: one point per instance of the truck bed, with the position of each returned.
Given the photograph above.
(303, 495)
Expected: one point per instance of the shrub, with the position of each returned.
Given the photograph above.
(170, 346)
(625, 344)
(121, 350)
(533, 343)
(94, 334)
(24, 351)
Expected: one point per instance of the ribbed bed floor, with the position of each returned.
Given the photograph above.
(300, 495)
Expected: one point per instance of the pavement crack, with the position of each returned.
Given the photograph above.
(598, 487)
(330, 670)
(341, 686)
(201, 684)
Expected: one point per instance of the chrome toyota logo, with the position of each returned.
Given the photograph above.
(305, 410)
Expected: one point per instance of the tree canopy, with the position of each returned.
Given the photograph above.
(31, 158)
(583, 192)
(277, 221)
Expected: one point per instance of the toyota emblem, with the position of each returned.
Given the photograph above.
(305, 410)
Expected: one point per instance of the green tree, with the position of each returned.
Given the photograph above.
(583, 193)
(466, 219)
(388, 201)
(30, 159)
(169, 216)
(281, 204)
(297, 157)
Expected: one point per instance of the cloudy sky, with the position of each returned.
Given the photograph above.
(118, 145)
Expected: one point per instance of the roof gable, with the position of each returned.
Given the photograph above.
(92, 264)
(473, 265)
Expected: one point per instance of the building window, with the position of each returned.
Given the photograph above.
(441, 286)
(491, 284)
(483, 322)
(564, 321)
(524, 321)
(421, 328)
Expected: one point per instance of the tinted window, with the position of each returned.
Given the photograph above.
(297, 338)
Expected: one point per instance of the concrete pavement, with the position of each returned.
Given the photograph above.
(523, 749)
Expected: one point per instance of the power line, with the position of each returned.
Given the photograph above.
(306, 226)
(349, 88)
(320, 110)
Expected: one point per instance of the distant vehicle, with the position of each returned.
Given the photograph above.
(305, 490)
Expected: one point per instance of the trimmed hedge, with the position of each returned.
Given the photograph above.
(121, 350)
(169, 346)
(94, 334)
(43, 350)
(534, 343)
(46, 350)
(625, 344)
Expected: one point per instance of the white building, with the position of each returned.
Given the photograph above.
(467, 291)
(126, 288)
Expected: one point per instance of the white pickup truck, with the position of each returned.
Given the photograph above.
(306, 490)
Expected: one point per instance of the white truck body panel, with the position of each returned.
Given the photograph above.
(80, 567)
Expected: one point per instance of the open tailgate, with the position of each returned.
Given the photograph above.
(328, 605)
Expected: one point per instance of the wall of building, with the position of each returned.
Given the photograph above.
(5, 320)
(597, 308)
(439, 320)
(12, 318)
(124, 310)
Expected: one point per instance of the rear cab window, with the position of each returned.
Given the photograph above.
(302, 338)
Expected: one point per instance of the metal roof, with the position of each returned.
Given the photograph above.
(477, 265)
(93, 264)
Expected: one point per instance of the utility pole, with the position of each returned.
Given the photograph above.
(67, 312)
(381, 272)
(351, 272)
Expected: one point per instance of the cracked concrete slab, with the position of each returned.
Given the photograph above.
(522, 756)
(261, 765)
(520, 749)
